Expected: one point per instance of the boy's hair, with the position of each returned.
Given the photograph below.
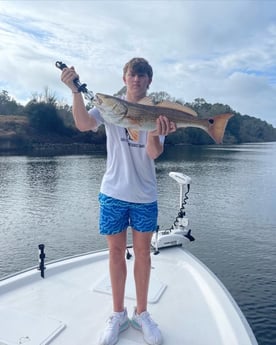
(139, 66)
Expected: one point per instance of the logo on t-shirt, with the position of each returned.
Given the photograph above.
(130, 141)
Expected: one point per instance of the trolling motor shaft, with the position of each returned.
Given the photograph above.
(81, 87)
(179, 233)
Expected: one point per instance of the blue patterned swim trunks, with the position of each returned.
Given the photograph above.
(116, 215)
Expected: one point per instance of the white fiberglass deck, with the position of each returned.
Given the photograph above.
(70, 306)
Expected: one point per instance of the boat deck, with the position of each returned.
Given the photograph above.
(70, 306)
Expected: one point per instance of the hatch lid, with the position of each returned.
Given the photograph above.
(18, 327)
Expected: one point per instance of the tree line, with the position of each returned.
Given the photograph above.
(50, 120)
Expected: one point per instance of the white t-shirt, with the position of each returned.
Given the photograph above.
(130, 172)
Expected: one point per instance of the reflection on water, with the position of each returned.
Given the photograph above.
(49, 200)
(231, 207)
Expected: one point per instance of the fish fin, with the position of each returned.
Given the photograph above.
(217, 125)
(176, 106)
(133, 133)
(167, 104)
(146, 101)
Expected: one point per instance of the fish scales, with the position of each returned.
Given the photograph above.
(147, 115)
(143, 116)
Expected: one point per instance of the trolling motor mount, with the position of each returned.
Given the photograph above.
(178, 234)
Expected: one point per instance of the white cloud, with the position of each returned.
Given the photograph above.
(223, 51)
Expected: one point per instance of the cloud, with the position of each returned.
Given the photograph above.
(221, 51)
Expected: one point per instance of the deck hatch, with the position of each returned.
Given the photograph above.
(156, 288)
(18, 327)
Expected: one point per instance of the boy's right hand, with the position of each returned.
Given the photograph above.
(68, 75)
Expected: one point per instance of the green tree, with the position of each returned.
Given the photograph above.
(44, 117)
(9, 106)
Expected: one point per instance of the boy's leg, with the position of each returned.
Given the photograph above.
(142, 267)
(117, 268)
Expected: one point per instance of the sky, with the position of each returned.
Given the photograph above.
(222, 51)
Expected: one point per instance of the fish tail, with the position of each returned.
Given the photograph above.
(217, 125)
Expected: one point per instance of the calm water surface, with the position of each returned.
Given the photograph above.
(231, 207)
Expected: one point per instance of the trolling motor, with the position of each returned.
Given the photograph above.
(81, 87)
(179, 233)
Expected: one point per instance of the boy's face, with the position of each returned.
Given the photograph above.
(137, 82)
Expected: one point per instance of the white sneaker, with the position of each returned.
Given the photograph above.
(148, 327)
(117, 323)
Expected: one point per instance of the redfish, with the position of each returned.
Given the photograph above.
(143, 115)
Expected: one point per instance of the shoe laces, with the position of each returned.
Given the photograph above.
(148, 320)
(112, 320)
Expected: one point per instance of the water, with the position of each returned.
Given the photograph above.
(231, 207)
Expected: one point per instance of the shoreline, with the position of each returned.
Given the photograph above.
(57, 149)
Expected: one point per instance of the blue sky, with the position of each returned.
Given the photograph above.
(222, 51)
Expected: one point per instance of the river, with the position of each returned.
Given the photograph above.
(231, 207)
